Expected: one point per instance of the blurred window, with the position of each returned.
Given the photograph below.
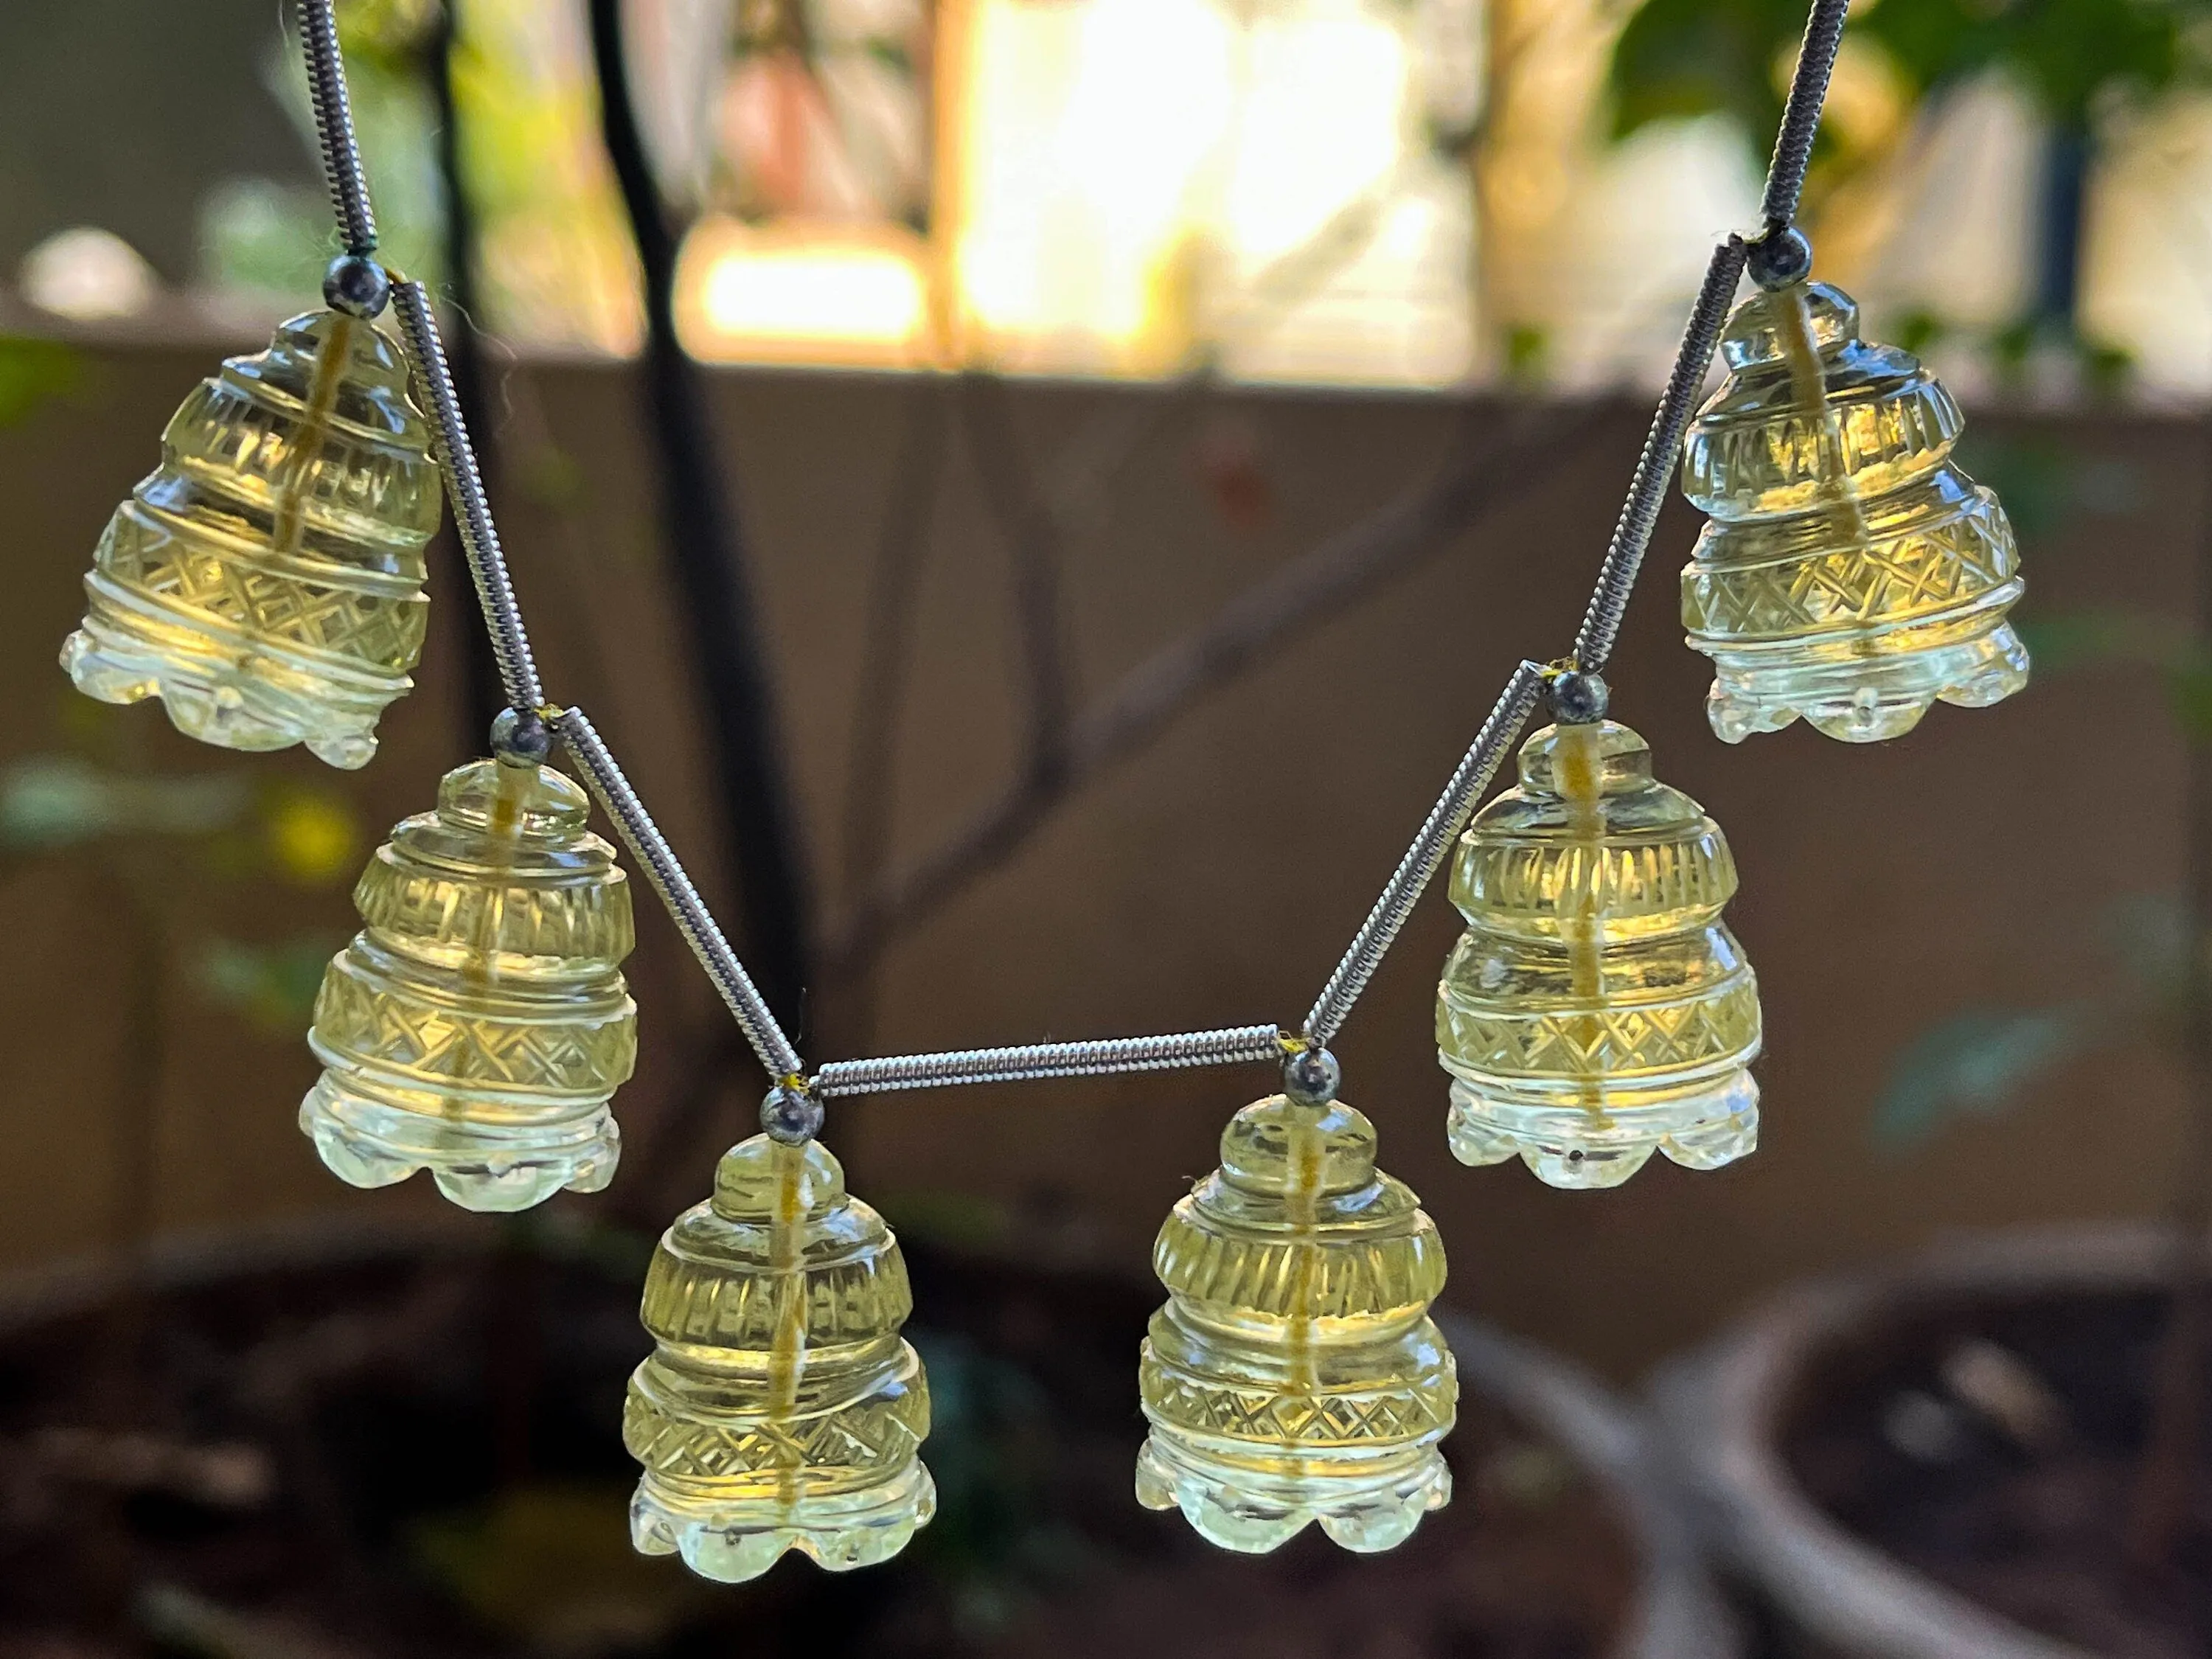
(1409, 192)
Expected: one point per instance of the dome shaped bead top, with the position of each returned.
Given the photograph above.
(1758, 449)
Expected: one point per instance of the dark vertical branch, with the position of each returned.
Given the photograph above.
(709, 558)
(845, 1009)
(482, 697)
(2058, 237)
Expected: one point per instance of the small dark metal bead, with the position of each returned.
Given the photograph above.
(1579, 699)
(791, 1115)
(357, 285)
(1312, 1077)
(520, 736)
(1779, 258)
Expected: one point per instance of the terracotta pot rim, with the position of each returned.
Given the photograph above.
(1675, 1611)
(1721, 1408)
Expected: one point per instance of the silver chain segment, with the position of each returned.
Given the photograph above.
(1655, 467)
(472, 521)
(333, 111)
(1423, 859)
(693, 919)
(1231, 1046)
(1800, 117)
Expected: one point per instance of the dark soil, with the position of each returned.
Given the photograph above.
(415, 1453)
(1994, 1449)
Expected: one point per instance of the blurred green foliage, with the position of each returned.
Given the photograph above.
(2072, 55)
(33, 372)
(992, 1443)
(1678, 58)
(549, 1564)
(2048, 485)
(1981, 1062)
(142, 832)
(256, 234)
(271, 987)
(2080, 61)
(1973, 1065)
(50, 802)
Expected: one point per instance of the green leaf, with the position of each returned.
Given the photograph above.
(273, 985)
(891, 54)
(1976, 1065)
(33, 372)
(1679, 58)
(2080, 638)
(48, 802)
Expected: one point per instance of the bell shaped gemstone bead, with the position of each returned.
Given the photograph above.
(478, 1026)
(265, 581)
(1852, 574)
(1596, 1009)
(781, 1408)
(1295, 1375)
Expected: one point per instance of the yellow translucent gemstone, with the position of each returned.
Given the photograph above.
(478, 1025)
(1852, 574)
(781, 1408)
(265, 581)
(1596, 1009)
(1294, 1374)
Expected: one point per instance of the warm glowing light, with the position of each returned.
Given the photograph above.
(1321, 122)
(1087, 126)
(1136, 169)
(1135, 185)
(817, 293)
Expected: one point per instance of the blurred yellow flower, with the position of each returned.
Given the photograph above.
(313, 838)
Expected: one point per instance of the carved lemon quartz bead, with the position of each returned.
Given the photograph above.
(1596, 1010)
(781, 1408)
(1294, 1374)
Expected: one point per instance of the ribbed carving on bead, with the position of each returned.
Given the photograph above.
(780, 1409)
